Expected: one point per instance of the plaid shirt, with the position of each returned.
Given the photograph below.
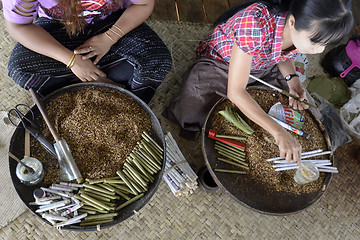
(255, 30)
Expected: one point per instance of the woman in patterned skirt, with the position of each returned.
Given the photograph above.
(66, 41)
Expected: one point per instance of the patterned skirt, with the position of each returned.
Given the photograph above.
(141, 47)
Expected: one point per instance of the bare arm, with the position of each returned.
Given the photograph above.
(239, 70)
(135, 14)
(38, 40)
(132, 17)
(295, 86)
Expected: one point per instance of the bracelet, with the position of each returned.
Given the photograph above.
(72, 61)
(115, 33)
(110, 37)
(119, 29)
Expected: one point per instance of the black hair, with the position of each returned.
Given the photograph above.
(330, 20)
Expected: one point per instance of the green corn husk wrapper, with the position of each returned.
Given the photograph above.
(234, 118)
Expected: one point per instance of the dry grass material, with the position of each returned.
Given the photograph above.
(101, 127)
(258, 149)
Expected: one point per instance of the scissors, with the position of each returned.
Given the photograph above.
(18, 114)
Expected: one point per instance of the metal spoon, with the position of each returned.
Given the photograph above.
(31, 170)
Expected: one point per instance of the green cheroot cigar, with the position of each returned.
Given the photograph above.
(97, 202)
(231, 147)
(110, 196)
(229, 171)
(127, 182)
(230, 137)
(129, 201)
(100, 216)
(101, 198)
(93, 223)
(233, 163)
(231, 156)
(99, 189)
(230, 151)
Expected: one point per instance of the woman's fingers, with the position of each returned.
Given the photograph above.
(89, 55)
(100, 73)
(97, 59)
(94, 76)
(83, 50)
(289, 148)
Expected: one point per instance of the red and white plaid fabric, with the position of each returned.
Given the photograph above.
(255, 30)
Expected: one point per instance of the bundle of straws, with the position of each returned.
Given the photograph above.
(324, 165)
(178, 174)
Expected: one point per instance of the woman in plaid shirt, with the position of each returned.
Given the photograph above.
(260, 38)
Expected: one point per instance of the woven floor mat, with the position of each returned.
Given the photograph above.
(10, 93)
(201, 215)
(11, 205)
(218, 216)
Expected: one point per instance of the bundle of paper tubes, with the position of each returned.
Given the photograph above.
(178, 174)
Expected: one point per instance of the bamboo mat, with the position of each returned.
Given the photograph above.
(11, 205)
(201, 215)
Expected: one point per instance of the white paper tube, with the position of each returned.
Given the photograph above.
(64, 189)
(72, 209)
(313, 161)
(328, 170)
(328, 167)
(48, 216)
(302, 154)
(66, 207)
(47, 198)
(67, 195)
(315, 154)
(51, 206)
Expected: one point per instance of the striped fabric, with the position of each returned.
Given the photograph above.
(142, 47)
(255, 30)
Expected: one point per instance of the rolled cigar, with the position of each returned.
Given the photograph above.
(98, 222)
(71, 184)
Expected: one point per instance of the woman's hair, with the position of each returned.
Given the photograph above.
(330, 20)
(72, 15)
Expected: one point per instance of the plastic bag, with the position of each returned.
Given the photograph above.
(331, 122)
(350, 112)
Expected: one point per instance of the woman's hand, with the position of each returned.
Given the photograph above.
(86, 70)
(297, 89)
(97, 46)
(295, 86)
(289, 148)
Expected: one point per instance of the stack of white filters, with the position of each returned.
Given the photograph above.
(324, 165)
(59, 206)
(178, 174)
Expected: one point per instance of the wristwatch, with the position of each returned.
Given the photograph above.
(290, 76)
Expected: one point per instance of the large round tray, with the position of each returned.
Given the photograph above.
(249, 192)
(26, 192)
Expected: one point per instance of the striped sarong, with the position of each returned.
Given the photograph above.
(142, 47)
